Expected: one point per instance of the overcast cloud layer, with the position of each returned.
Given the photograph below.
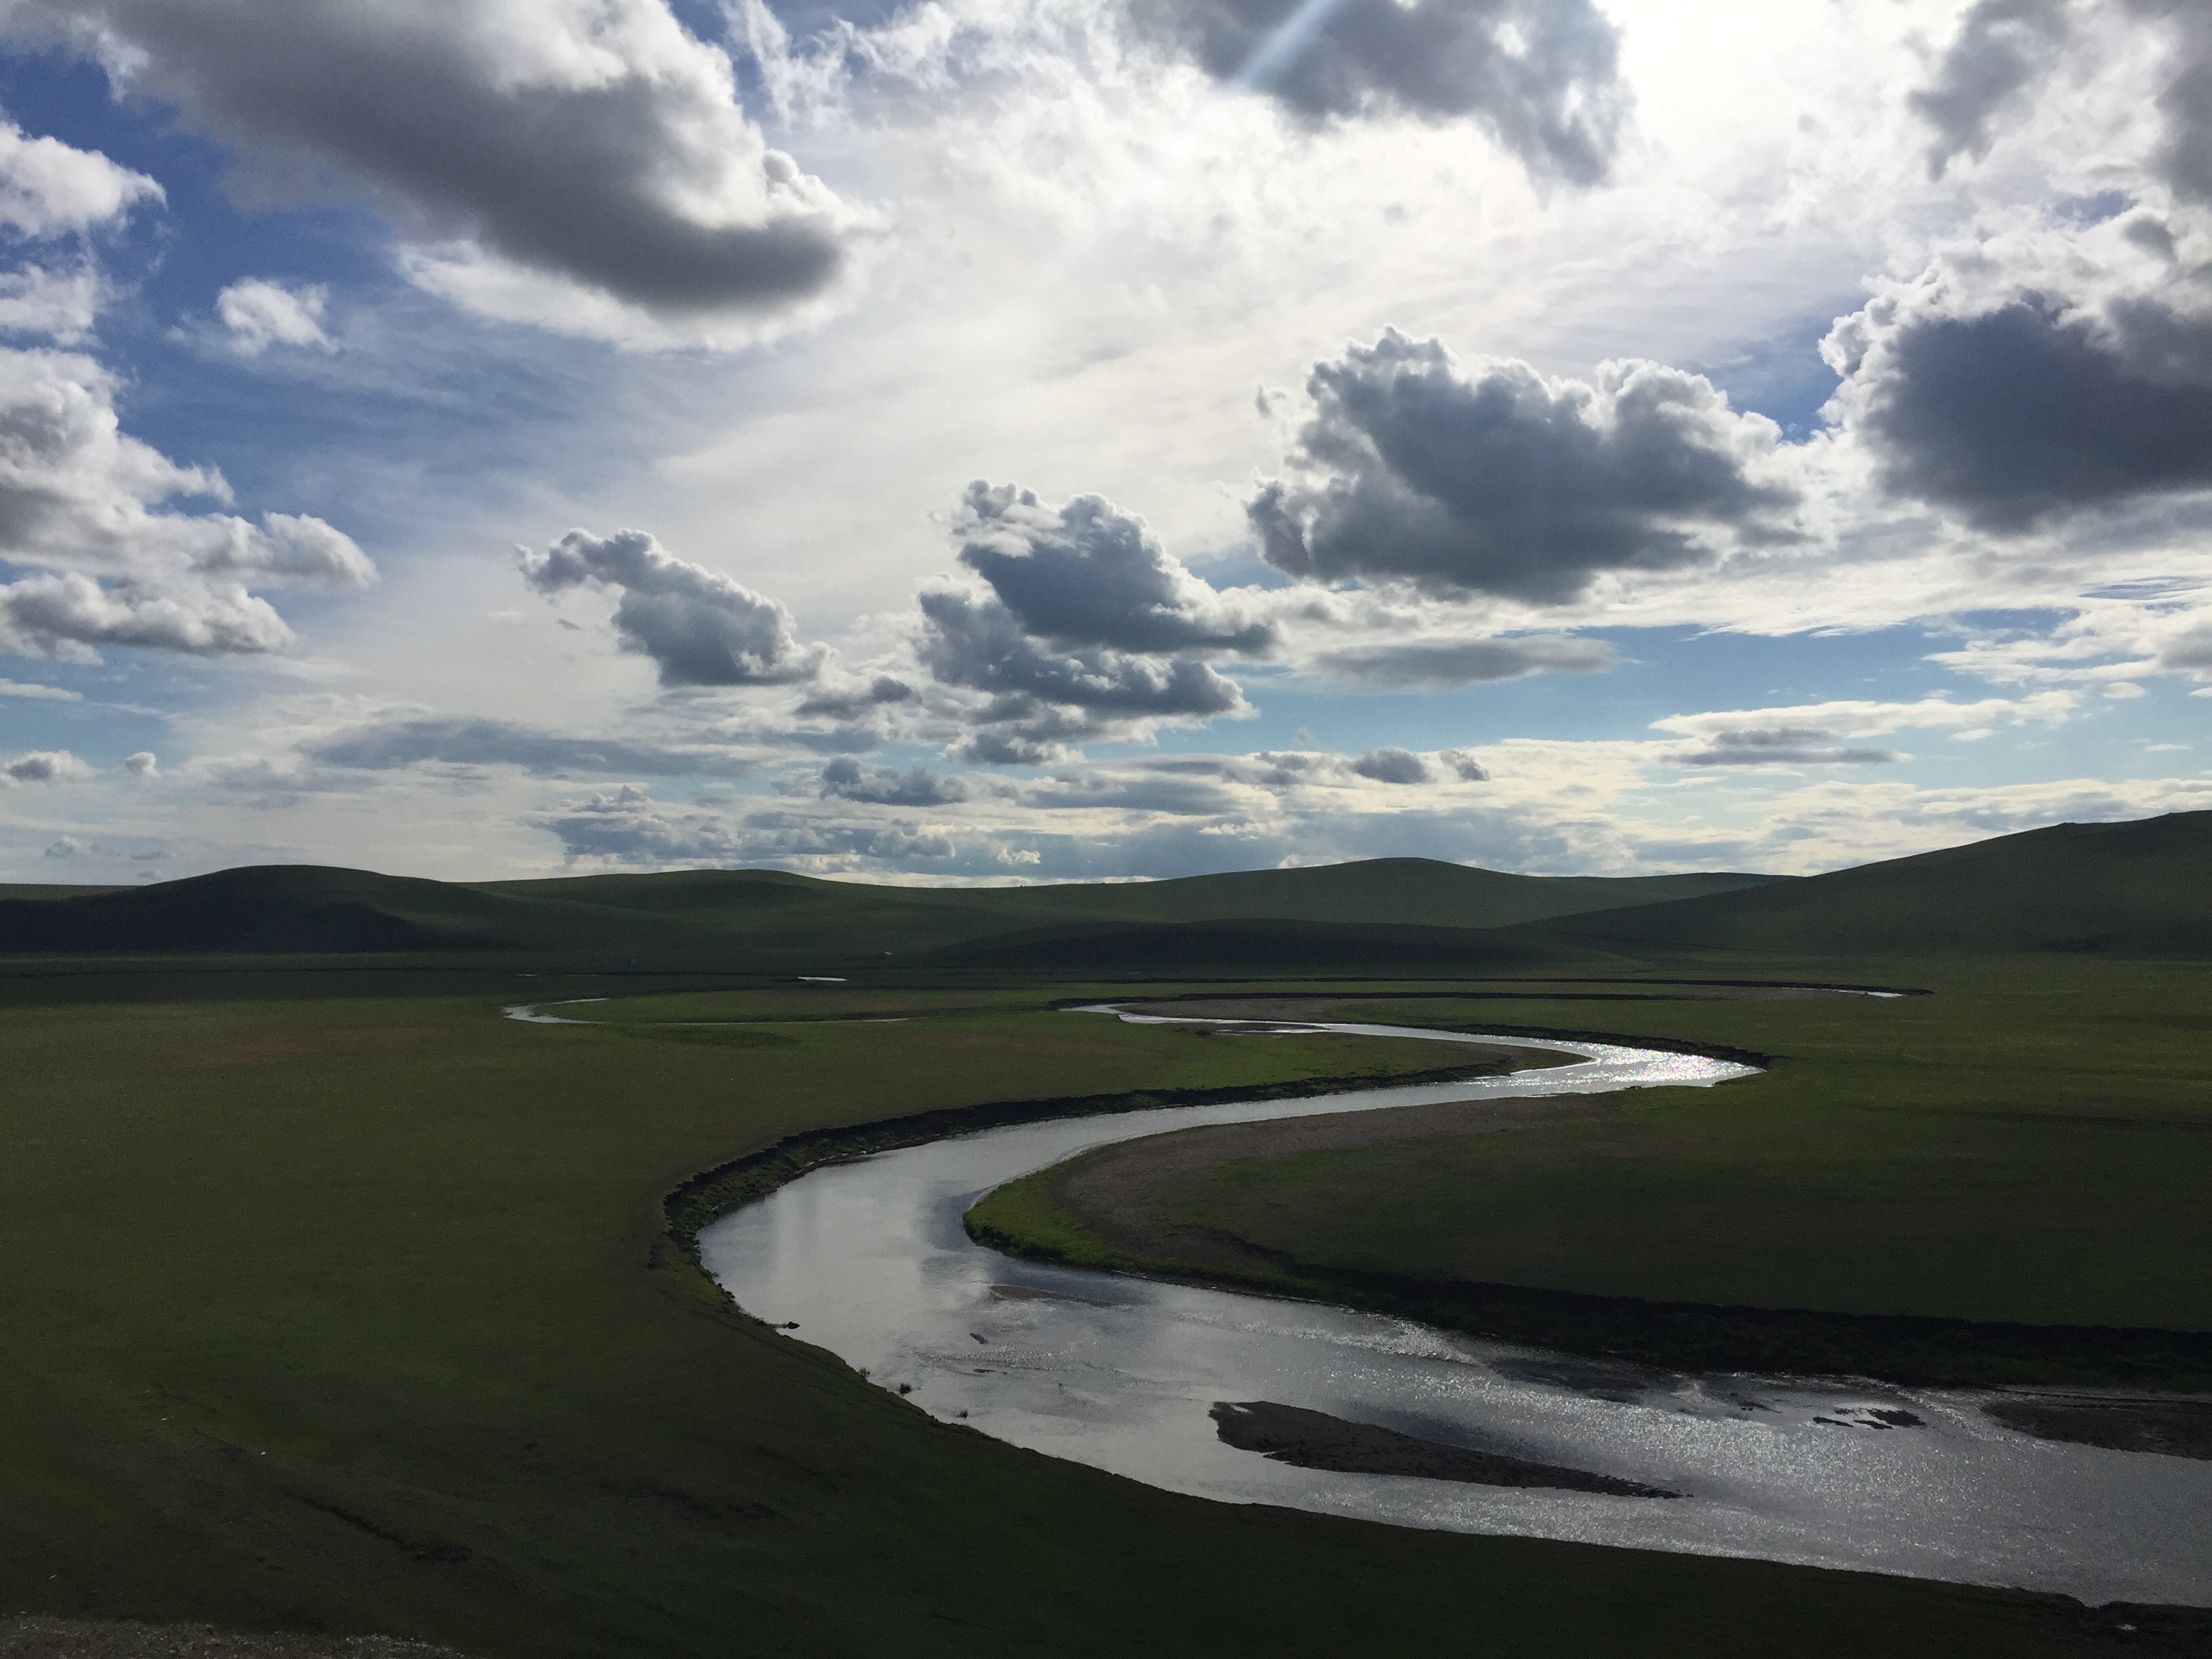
(1017, 440)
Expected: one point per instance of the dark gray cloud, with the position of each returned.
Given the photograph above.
(1779, 746)
(2185, 157)
(1392, 766)
(2189, 652)
(1087, 574)
(772, 838)
(1464, 766)
(389, 744)
(2031, 410)
(1498, 480)
(598, 144)
(851, 705)
(627, 826)
(700, 626)
(1040, 699)
(845, 780)
(2002, 47)
(43, 766)
(981, 644)
(1088, 628)
(630, 827)
(1540, 75)
(1465, 662)
(1145, 789)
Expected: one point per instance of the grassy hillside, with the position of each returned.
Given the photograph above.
(784, 920)
(2141, 889)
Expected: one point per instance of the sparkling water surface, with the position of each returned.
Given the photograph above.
(869, 1258)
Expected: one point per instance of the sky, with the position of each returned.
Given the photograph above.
(989, 440)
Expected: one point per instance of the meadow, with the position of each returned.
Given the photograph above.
(2030, 1146)
(338, 1302)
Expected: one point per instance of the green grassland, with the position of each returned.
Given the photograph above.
(348, 1312)
(334, 1301)
(2031, 1144)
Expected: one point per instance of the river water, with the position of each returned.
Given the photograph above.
(869, 1261)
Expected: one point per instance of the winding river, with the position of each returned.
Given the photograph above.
(868, 1260)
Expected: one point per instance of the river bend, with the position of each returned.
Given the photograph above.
(868, 1260)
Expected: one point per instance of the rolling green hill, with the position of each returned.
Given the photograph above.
(780, 919)
(2137, 889)
(2143, 888)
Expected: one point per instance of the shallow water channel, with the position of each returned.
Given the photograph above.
(869, 1260)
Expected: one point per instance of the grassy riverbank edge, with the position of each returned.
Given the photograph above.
(715, 1192)
(1026, 1218)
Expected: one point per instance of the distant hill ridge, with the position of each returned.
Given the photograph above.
(2140, 888)
(314, 909)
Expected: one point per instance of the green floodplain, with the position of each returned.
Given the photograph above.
(338, 1303)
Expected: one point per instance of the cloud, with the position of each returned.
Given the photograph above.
(43, 766)
(1863, 718)
(593, 146)
(1152, 788)
(629, 827)
(62, 305)
(48, 188)
(2189, 652)
(2184, 158)
(37, 693)
(1779, 746)
(82, 504)
(2005, 49)
(2001, 48)
(76, 490)
(68, 847)
(1443, 663)
(700, 626)
(1392, 766)
(390, 745)
(67, 615)
(1087, 627)
(2031, 409)
(1540, 75)
(1496, 479)
(1088, 573)
(883, 692)
(1817, 734)
(288, 549)
(780, 838)
(1464, 766)
(844, 780)
(144, 764)
(260, 313)
(1041, 698)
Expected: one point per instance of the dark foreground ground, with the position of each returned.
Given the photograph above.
(339, 1304)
